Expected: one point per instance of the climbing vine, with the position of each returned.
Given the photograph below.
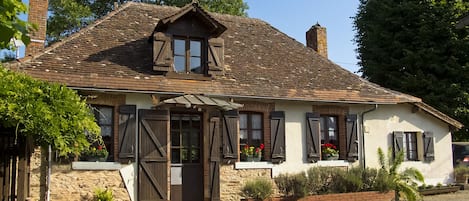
(50, 113)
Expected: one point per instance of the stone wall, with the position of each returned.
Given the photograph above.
(76, 185)
(231, 180)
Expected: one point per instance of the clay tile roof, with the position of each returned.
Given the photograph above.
(260, 62)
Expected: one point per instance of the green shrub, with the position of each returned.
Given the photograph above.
(258, 189)
(103, 195)
(460, 172)
(383, 182)
(347, 181)
(299, 185)
(369, 179)
(283, 184)
(292, 185)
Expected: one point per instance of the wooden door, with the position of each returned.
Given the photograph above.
(186, 157)
(153, 155)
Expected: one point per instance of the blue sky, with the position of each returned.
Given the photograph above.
(294, 18)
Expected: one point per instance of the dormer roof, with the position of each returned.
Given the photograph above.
(215, 27)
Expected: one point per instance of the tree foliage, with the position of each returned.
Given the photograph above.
(51, 114)
(414, 47)
(404, 182)
(10, 24)
(68, 16)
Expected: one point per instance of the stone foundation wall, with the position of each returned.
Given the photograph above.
(75, 185)
(231, 180)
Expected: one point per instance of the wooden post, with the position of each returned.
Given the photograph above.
(23, 169)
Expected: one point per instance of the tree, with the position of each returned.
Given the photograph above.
(414, 47)
(10, 24)
(402, 182)
(68, 16)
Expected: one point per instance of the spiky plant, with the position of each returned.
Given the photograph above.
(404, 182)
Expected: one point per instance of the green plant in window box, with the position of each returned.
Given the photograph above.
(329, 151)
(98, 153)
(251, 153)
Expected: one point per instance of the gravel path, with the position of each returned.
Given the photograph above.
(457, 196)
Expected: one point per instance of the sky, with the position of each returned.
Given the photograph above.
(294, 18)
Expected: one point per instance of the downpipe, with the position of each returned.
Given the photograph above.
(362, 129)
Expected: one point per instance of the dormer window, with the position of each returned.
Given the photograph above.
(188, 42)
(187, 54)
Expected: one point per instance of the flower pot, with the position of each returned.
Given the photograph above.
(330, 157)
(257, 158)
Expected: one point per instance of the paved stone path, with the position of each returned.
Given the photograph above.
(457, 196)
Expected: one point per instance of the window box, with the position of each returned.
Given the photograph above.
(85, 165)
(253, 165)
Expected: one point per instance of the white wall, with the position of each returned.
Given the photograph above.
(380, 124)
(295, 136)
(143, 101)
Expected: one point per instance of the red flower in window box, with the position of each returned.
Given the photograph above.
(329, 149)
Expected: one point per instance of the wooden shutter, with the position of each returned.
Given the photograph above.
(398, 142)
(428, 147)
(230, 136)
(214, 157)
(127, 132)
(313, 137)
(352, 137)
(216, 56)
(153, 157)
(162, 53)
(277, 136)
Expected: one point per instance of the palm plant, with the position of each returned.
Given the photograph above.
(404, 182)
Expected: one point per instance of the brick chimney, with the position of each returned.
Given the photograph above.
(37, 15)
(316, 38)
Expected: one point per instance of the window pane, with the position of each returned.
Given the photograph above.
(256, 121)
(105, 115)
(175, 141)
(256, 134)
(175, 156)
(106, 130)
(196, 66)
(332, 123)
(243, 134)
(243, 121)
(195, 139)
(179, 64)
(195, 155)
(185, 139)
(179, 47)
(195, 49)
(332, 135)
(184, 156)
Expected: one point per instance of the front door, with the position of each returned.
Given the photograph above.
(186, 157)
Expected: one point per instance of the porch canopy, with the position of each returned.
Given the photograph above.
(191, 100)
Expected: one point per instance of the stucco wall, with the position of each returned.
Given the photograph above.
(380, 124)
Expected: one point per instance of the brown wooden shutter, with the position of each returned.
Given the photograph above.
(313, 137)
(153, 157)
(162, 52)
(277, 136)
(215, 147)
(127, 133)
(398, 139)
(428, 147)
(352, 137)
(216, 56)
(230, 136)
